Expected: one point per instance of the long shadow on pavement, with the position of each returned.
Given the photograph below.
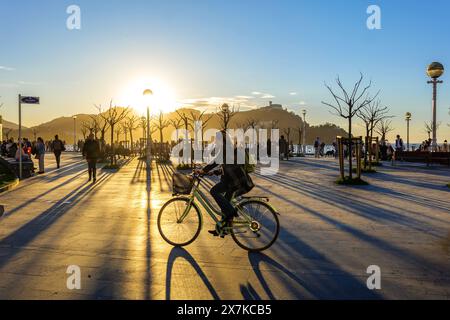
(382, 244)
(29, 231)
(176, 253)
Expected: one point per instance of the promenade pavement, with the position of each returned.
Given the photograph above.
(330, 235)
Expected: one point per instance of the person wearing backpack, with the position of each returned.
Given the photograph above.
(57, 147)
(234, 180)
(91, 150)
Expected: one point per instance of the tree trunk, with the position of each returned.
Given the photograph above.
(370, 154)
(131, 140)
(203, 149)
(112, 145)
(350, 158)
(366, 149)
(160, 143)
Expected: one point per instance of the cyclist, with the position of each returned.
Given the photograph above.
(233, 179)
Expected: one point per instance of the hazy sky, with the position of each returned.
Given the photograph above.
(242, 51)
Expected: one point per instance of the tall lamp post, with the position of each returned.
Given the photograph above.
(148, 94)
(74, 133)
(408, 119)
(304, 131)
(434, 71)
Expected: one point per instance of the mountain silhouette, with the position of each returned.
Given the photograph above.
(266, 117)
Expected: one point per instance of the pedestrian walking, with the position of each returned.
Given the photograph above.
(399, 144)
(40, 154)
(58, 147)
(91, 150)
(317, 147)
(283, 146)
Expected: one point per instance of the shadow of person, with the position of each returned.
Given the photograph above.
(177, 252)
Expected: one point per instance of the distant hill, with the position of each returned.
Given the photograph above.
(64, 126)
(10, 125)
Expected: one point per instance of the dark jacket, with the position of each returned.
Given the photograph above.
(91, 149)
(58, 146)
(233, 176)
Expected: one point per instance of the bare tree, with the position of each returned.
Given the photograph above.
(101, 123)
(7, 132)
(347, 105)
(119, 131)
(225, 115)
(94, 125)
(287, 132)
(300, 133)
(251, 123)
(429, 128)
(124, 130)
(113, 116)
(160, 124)
(203, 118)
(131, 124)
(371, 114)
(383, 128)
(204, 122)
(85, 128)
(177, 124)
(184, 116)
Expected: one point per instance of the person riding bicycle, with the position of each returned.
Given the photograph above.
(234, 181)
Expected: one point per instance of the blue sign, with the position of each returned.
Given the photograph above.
(29, 100)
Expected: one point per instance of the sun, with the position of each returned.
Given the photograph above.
(163, 98)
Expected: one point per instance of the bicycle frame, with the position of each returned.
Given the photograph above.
(198, 195)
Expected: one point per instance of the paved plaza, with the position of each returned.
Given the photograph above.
(330, 235)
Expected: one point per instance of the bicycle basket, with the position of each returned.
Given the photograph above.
(182, 184)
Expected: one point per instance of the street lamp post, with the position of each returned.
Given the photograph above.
(434, 71)
(74, 133)
(304, 132)
(408, 119)
(148, 93)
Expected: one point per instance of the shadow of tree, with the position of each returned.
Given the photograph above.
(177, 253)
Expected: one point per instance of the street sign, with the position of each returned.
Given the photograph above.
(23, 100)
(29, 100)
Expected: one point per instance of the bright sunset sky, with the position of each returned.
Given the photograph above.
(205, 52)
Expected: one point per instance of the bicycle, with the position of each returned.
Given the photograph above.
(180, 219)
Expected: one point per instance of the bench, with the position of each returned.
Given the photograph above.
(13, 166)
(427, 157)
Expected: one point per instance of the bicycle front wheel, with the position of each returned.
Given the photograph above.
(179, 222)
(257, 228)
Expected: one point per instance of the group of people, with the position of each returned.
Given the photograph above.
(424, 146)
(29, 150)
(286, 148)
(427, 146)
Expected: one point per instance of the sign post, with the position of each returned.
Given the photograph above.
(25, 100)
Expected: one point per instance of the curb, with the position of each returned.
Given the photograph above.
(10, 186)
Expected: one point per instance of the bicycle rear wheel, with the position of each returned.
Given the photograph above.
(261, 232)
(175, 232)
